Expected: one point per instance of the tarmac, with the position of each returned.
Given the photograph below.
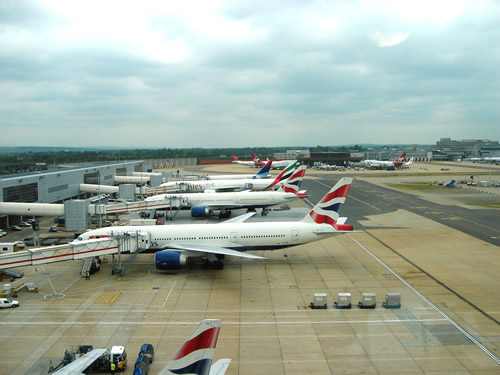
(448, 281)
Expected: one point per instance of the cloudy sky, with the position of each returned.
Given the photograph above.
(248, 73)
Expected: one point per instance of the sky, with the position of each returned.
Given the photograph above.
(180, 74)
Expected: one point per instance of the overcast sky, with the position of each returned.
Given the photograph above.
(248, 73)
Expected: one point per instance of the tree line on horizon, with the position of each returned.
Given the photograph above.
(15, 162)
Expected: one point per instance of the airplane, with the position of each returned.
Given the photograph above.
(262, 173)
(193, 186)
(276, 164)
(203, 204)
(179, 244)
(381, 164)
(249, 163)
(486, 159)
(195, 356)
(407, 164)
(80, 364)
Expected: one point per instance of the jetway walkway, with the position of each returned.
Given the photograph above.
(116, 243)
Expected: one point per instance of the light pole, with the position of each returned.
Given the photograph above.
(99, 193)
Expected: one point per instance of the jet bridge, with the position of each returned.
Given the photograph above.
(115, 244)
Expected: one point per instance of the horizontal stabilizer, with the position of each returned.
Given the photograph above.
(239, 219)
(220, 367)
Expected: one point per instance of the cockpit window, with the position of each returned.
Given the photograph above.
(79, 238)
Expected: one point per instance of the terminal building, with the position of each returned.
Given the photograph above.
(77, 187)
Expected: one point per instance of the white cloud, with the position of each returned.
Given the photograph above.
(384, 39)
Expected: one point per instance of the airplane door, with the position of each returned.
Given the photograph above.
(295, 235)
(234, 237)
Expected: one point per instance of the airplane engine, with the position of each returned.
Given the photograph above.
(200, 211)
(169, 260)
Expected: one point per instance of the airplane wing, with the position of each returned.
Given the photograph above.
(211, 250)
(79, 365)
(220, 367)
(239, 219)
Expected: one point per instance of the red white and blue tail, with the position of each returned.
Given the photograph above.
(327, 211)
(292, 184)
(283, 176)
(196, 354)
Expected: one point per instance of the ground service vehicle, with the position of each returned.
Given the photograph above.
(148, 351)
(7, 302)
(119, 357)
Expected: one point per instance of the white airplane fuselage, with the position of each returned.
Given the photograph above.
(231, 200)
(236, 177)
(227, 185)
(235, 236)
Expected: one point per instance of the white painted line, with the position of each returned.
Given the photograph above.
(321, 322)
(452, 322)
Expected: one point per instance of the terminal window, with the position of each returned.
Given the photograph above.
(23, 193)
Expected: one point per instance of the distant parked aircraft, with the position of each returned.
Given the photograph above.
(276, 164)
(249, 163)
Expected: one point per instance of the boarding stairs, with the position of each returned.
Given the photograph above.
(87, 265)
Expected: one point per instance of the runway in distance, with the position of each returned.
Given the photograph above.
(204, 204)
(180, 243)
(195, 356)
(196, 186)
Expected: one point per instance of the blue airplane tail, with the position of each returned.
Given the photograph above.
(264, 172)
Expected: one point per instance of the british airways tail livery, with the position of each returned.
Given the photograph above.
(292, 184)
(196, 354)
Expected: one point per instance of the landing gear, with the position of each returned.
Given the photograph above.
(225, 213)
(264, 211)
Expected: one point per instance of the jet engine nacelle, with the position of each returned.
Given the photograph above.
(200, 211)
(169, 260)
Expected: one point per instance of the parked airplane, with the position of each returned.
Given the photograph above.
(231, 185)
(485, 159)
(276, 164)
(381, 164)
(203, 204)
(178, 244)
(195, 356)
(80, 364)
(407, 164)
(263, 173)
(249, 163)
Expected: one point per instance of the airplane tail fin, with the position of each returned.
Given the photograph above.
(264, 172)
(327, 211)
(235, 158)
(480, 154)
(257, 161)
(284, 175)
(196, 354)
(292, 184)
